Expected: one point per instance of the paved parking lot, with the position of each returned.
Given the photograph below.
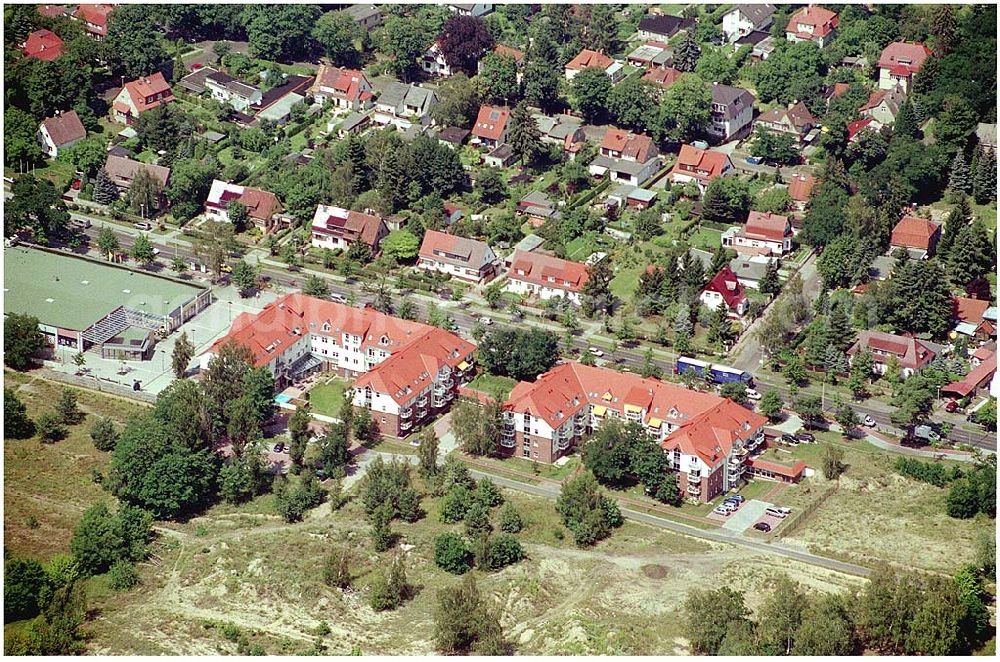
(749, 513)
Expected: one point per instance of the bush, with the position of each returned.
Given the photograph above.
(50, 427)
(24, 580)
(477, 520)
(452, 554)
(381, 597)
(455, 504)
(488, 494)
(928, 472)
(102, 538)
(122, 576)
(295, 501)
(510, 519)
(67, 408)
(503, 549)
(104, 434)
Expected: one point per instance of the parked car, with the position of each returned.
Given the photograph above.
(789, 439)
(776, 512)
(278, 448)
(82, 223)
(143, 225)
(485, 320)
(753, 395)
(869, 421)
(806, 437)
(595, 351)
(754, 160)
(726, 512)
(738, 498)
(338, 298)
(951, 407)
(762, 526)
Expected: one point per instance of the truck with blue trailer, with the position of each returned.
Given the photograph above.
(715, 373)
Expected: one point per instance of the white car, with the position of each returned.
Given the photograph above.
(869, 422)
(485, 320)
(595, 351)
(753, 395)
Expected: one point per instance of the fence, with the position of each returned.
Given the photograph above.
(795, 520)
(100, 384)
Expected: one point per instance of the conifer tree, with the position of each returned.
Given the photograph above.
(958, 179)
(105, 191)
(525, 138)
(984, 182)
(687, 53)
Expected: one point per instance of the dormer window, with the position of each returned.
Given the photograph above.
(326, 327)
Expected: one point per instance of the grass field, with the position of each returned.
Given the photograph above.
(328, 397)
(705, 238)
(496, 385)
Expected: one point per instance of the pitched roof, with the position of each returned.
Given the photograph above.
(142, 88)
(399, 95)
(95, 15)
(726, 284)
(912, 353)
(64, 128)
(633, 146)
(800, 187)
(500, 49)
(703, 164)
(491, 122)
(344, 83)
(856, 127)
(43, 45)
(664, 77)
(822, 20)
(772, 227)
(460, 251)
(340, 221)
(756, 14)
(538, 268)
(260, 204)
(587, 59)
(914, 232)
(733, 98)
(797, 114)
(711, 434)
(664, 24)
(124, 169)
(903, 58)
(793, 471)
(969, 310)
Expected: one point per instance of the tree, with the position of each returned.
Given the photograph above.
(144, 193)
(687, 53)
(463, 41)
(810, 409)
(24, 581)
(55, 631)
(335, 448)
(107, 240)
(727, 199)
(105, 192)
(292, 503)
(182, 354)
(633, 105)
(477, 426)
(770, 404)
(585, 511)
(590, 89)
(848, 419)
(710, 614)
(521, 353)
(685, 109)
(406, 40)
(452, 554)
(524, 136)
(510, 519)
(133, 43)
(826, 628)
(735, 391)
(102, 538)
(943, 29)
(958, 179)
(463, 623)
(35, 205)
(88, 156)
(142, 250)
(281, 32)
(50, 427)
(973, 254)
(427, 452)
(986, 415)
(190, 181)
(316, 286)
(388, 592)
(477, 520)
(782, 614)
(498, 82)
(21, 340)
(336, 33)
(833, 462)
(67, 408)
(21, 150)
(770, 284)
(337, 568)
(401, 245)
(596, 290)
(984, 177)
(16, 423)
(490, 186)
(298, 433)
(912, 401)
(458, 102)
(541, 82)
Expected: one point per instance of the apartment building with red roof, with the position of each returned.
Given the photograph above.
(491, 126)
(42, 45)
(912, 354)
(812, 23)
(726, 290)
(405, 372)
(345, 88)
(60, 131)
(899, 63)
(94, 19)
(707, 438)
(630, 158)
(545, 276)
(262, 206)
(918, 235)
(337, 228)
(466, 259)
(700, 166)
(588, 59)
(763, 234)
(140, 95)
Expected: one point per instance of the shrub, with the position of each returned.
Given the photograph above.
(488, 494)
(122, 576)
(50, 427)
(104, 434)
(510, 519)
(477, 520)
(452, 554)
(455, 503)
(24, 579)
(503, 549)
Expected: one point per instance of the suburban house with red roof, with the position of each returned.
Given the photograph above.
(919, 236)
(626, 157)
(59, 132)
(42, 45)
(140, 95)
(544, 276)
(662, 77)
(857, 127)
(707, 438)
(346, 88)
(726, 290)
(405, 372)
(336, 227)
(883, 105)
(94, 19)
(899, 62)
(763, 234)
(700, 166)
(501, 49)
(970, 318)
(795, 121)
(588, 59)
(491, 126)
(912, 354)
(732, 112)
(812, 23)
(979, 377)
(262, 206)
(466, 259)
(800, 188)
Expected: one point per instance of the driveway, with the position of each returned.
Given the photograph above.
(744, 518)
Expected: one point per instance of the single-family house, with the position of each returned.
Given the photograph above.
(60, 131)
(700, 166)
(262, 206)
(725, 290)
(795, 121)
(466, 259)
(336, 227)
(53, 11)
(812, 23)
(883, 105)
(970, 319)
(538, 207)
(355, 123)
(899, 62)
(732, 112)
(404, 105)
(979, 377)
(743, 19)
(626, 157)
(912, 354)
(434, 62)
(501, 49)
(94, 19)
(452, 136)
(761, 44)
(500, 157)
(634, 197)
(588, 59)
(663, 77)
(919, 236)
(544, 276)
(228, 90)
(750, 269)
(478, 9)
(555, 129)
(122, 171)
(856, 129)
(140, 95)
(42, 45)
(800, 188)
(366, 16)
(661, 27)
(194, 82)
(491, 126)
(763, 234)
(345, 88)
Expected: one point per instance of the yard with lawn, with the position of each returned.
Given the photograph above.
(705, 238)
(496, 385)
(327, 397)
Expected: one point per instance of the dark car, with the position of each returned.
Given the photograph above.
(279, 448)
(951, 407)
(762, 526)
(805, 437)
(789, 439)
(738, 498)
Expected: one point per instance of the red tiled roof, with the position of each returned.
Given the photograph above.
(969, 310)
(800, 188)
(793, 471)
(95, 15)
(587, 59)
(976, 377)
(491, 122)
(64, 128)
(839, 88)
(518, 56)
(51, 10)
(260, 204)
(902, 58)
(633, 146)
(873, 100)
(664, 77)
(856, 127)
(914, 232)
(823, 21)
(911, 353)
(710, 435)
(142, 88)
(346, 83)
(726, 284)
(43, 45)
(703, 164)
(538, 268)
(346, 222)
(772, 227)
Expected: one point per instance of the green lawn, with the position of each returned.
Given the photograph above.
(706, 238)
(328, 397)
(496, 385)
(625, 281)
(578, 249)
(543, 470)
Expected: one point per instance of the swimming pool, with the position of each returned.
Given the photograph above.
(282, 398)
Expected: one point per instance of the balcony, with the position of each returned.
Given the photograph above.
(405, 424)
(422, 401)
(439, 402)
(563, 444)
(406, 413)
(693, 489)
(508, 441)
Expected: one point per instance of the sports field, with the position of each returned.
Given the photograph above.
(73, 293)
